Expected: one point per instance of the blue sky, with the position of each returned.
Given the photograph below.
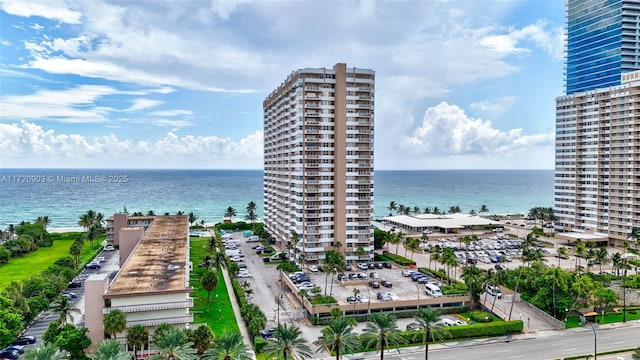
(179, 84)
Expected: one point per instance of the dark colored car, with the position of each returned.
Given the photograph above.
(342, 276)
(92, 266)
(242, 265)
(352, 299)
(386, 283)
(266, 259)
(353, 276)
(11, 354)
(24, 340)
(374, 284)
(416, 276)
(386, 265)
(75, 285)
(347, 268)
(500, 267)
(69, 295)
(379, 266)
(267, 251)
(267, 333)
(422, 280)
(300, 279)
(19, 348)
(372, 266)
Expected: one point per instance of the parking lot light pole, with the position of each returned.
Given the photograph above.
(595, 342)
(278, 299)
(418, 288)
(369, 305)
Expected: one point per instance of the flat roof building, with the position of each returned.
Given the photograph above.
(318, 162)
(446, 223)
(152, 286)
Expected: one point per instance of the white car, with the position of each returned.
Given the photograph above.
(363, 266)
(244, 274)
(236, 259)
(393, 296)
(313, 268)
(109, 248)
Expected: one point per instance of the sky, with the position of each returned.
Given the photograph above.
(179, 84)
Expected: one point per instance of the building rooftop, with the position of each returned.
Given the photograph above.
(447, 221)
(158, 262)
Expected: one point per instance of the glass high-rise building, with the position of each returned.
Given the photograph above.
(602, 43)
(597, 153)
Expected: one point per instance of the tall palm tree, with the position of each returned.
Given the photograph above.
(427, 320)
(192, 218)
(230, 212)
(93, 231)
(76, 250)
(412, 244)
(338, 336)
(559, 281)
(562, 254)
(109, 350)
(288, 341)
(399, 238)
(392, 207)
(382, 331)
(173, 345)
(209, 282)
(137, 337)
(114, 322)
(602, 257)
(251, 214)
(483, 209)
(46, 351)
(44, 220)
(64, 307)
(227, 347)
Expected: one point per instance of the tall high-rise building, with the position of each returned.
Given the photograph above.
(602, 43)
(318, 163)
(597, 156)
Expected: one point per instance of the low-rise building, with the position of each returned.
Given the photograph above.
(152, 285)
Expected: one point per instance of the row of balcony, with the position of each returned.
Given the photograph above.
(151, 307)
(155, 322)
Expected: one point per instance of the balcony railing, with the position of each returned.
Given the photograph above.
(151, 307)
(155, 322)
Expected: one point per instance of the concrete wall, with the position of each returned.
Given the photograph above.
(129, 238)
(95, 287)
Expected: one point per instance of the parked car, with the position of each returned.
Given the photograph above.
(379, 266)
(92, 266)
(75, 284)
(407, 273)
(347, 267)
(69, 295)
(300, 279)
(242, 265)
(500, 267)
(362, 276)
(109, 248)
(10, 354)
(266, 259)
(413, 327)
(363, 266)
(374, 275)
(393, 296)
(353, 276)
(24, 340)
(386, 265)
(382, 296)
(19, 348)
(313, 268)
(374, 284)
(362, 298)
(386, 283)
(244, 275)
(423, 280)
(494, 291)
(342, 276)
(352, 299)
(372, 266)
(267, 333)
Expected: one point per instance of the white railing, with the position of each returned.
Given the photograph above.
(151, 307)
(155, 322)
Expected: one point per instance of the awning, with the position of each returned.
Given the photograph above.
(592, 313)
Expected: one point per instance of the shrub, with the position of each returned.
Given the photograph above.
(402, 261)
(259, 344)
(481, 316)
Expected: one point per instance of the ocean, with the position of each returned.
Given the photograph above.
(64, 194)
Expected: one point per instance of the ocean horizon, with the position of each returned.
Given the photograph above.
(64, 194)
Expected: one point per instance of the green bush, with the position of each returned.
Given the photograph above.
(481, 316)
(323, 300)
(259, 344)
(486, 330)
(402, 261)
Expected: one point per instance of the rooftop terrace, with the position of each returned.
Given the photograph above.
(157, 264)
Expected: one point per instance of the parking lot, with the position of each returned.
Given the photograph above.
(41, 323)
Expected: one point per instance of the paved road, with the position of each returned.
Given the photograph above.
(41, 323)
(546, 345)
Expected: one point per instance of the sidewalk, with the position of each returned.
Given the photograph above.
(236, 312)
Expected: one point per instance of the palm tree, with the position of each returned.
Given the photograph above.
(63, 307)
(416, 210)
(427, 320)
(87, 219)
(602, 257)
(44, 220)
(76, 250)
(338, 336)
(173, 345)
(151, 213)
(288, 340)
(580, 249)
(201, 337)
(92, 233)
(562, 254)
(227, 347)
(392, 207)
(230, 212)
(399, 238)
(192, 218)
(483, 209)
(114, 322)
(46, 351)
(109, 350)
(137, 337)
(559, 281)
(382, 331)
(412, 244)
(209, 282)
(251, 214)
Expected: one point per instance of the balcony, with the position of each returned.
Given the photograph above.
(151, 307)
(155, 322)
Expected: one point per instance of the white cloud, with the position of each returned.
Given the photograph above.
(27, 144)
(142, 103)
(447, 130)
(170, 113)
(36, 27)
(494, 107)
(550, 40)
(49, 9)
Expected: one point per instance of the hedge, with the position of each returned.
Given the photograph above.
(402, 261)
(472, 331)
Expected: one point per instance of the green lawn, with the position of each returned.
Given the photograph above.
(220, 316)
(34, 263)
(608, 318)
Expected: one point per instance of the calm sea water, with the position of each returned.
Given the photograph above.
(64, 194)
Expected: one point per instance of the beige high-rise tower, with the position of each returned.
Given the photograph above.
(318, 163)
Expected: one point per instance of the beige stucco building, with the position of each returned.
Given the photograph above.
(120, 220)
(318, 162)
(152, 285)
(597, 177)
